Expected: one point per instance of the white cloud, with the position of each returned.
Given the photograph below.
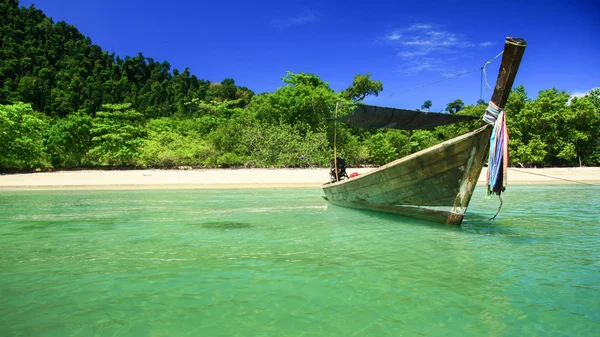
(410, 54)
(393, 37)
(424, 39)
(582, 93)
(419, 26)
(300, 19)
(424, 47)
(412, 66)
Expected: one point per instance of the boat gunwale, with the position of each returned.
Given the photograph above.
(409, 157)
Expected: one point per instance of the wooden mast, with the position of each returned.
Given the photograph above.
(337, 178)
(514, 48)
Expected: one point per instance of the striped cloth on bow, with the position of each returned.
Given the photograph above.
(498, 157)
(491, 113)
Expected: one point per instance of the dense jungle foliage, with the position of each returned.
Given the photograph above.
(65, 103)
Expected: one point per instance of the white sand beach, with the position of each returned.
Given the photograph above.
(250, 178)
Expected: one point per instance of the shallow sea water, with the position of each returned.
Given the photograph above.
(283, 262)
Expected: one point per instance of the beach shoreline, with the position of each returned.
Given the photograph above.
(250, 178)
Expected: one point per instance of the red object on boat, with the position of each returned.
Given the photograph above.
(354, 174)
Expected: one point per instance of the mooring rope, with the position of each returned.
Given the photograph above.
(543, 175)
(549, 176)
(499, 208)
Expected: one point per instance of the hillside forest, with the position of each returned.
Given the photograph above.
(67, 104)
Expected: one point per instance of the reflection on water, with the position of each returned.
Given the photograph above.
(280, 262)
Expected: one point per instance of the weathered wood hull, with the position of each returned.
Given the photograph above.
(434, 184)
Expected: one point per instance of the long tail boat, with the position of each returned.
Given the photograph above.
(437, 183)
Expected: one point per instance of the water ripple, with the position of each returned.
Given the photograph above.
(284, 262)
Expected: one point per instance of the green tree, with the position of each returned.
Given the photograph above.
(58, 70)
(515, 103)
(426, 105)
(455, 106)
(532, 153)
(584, 119)
(69, 140)
(555, 126)
(216, 109)
(169, 149)
(382, 148)
(223, 91)
(227, 140)
(362, 86)
(304, 103)
(284, 146)
(244, 96)
(422, 139)
(453, 130)
(21, 137)
(117, 133)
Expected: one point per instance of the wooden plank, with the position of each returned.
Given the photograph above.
(514, 48)
(444, 217)
(414, 181)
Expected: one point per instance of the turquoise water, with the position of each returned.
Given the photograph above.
(282, 262)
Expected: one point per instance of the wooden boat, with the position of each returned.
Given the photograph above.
(434, 184)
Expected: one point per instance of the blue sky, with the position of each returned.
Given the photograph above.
(401, 43)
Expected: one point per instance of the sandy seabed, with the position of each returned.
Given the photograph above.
(251, 178)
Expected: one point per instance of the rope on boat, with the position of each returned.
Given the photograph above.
(499, 208)
(543, 175)
(486, 64)
(549, 176)
(498, 154)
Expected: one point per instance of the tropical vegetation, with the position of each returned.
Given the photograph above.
(65, 103)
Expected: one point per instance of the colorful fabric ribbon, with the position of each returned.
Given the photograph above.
(498, 157)
(491, 113)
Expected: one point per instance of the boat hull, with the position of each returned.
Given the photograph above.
(434, 184)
